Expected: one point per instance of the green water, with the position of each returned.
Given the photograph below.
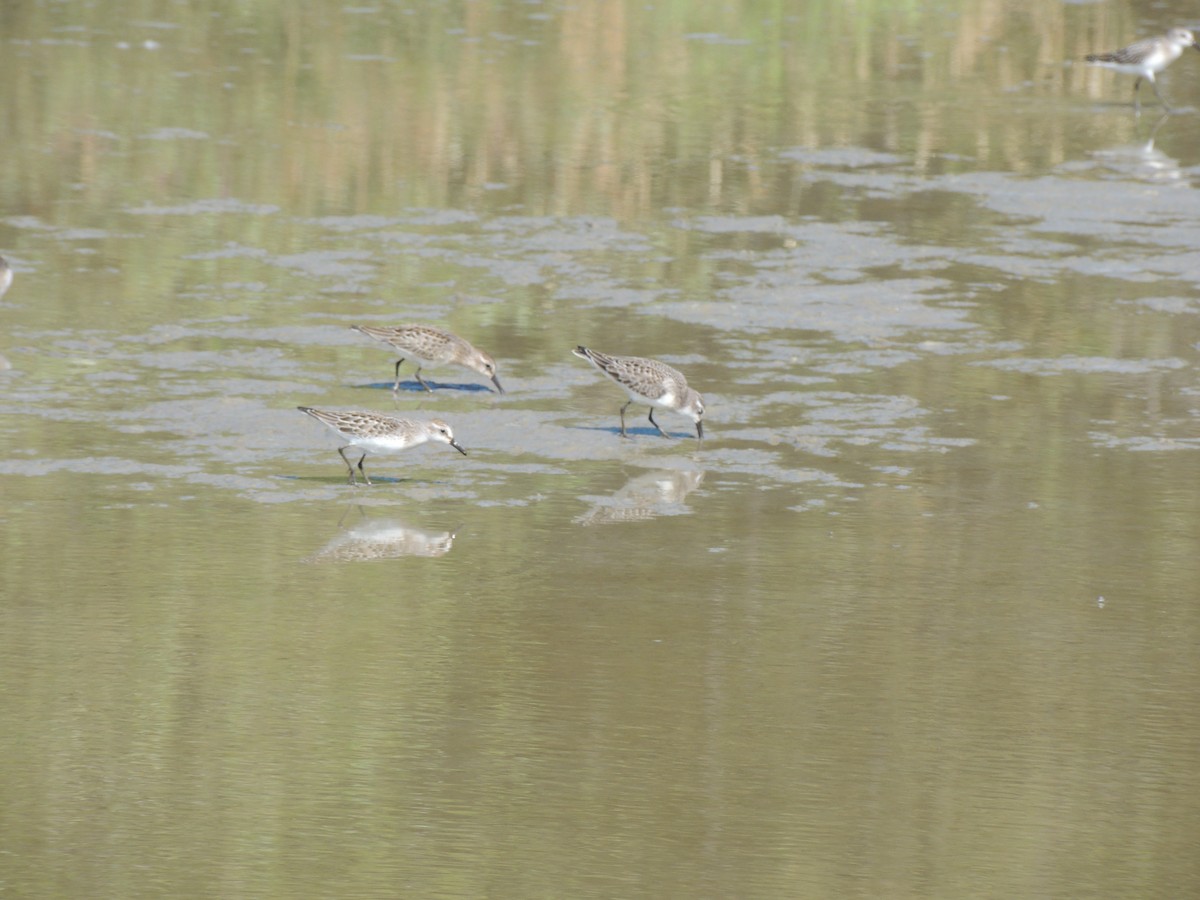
(917, 619)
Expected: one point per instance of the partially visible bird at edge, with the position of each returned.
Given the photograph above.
(1146, 58)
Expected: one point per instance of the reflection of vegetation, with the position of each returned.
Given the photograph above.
(614, 107)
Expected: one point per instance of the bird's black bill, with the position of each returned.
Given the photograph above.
(496, 382)
(457, 446)
(699, 431)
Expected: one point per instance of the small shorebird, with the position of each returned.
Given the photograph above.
(1146, 58)
(6, 275)
(380, 434)
(430, 346)
(649, 381)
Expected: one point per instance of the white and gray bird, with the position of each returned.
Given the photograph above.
(429, 346)
(651, 382)
(1146, 58)
(371, 432)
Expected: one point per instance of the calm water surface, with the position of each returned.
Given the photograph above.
(918, 619)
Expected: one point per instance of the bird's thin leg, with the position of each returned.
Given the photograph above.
(623, 408)
(361, 469)
(349, 468)
(422, 381)
(396, 386)
(655, 424)
(1137, 103)
(361, 512)
(1154, 84)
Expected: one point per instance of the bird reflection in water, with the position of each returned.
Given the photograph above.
(371, 539)
(658, 493)
(1143, 161)
(6, 279)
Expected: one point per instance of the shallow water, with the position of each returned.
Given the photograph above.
(917, 618)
